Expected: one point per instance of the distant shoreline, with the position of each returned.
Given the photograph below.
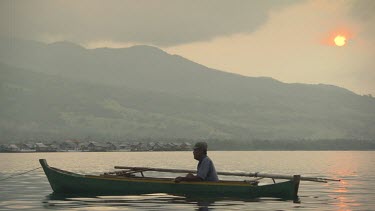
(214, 145)
(257, 150)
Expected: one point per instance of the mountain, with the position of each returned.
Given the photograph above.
(149, 68)
(63, 90)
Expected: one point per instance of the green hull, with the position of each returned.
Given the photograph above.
(71, 183)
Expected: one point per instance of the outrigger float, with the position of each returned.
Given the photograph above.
(125, 182)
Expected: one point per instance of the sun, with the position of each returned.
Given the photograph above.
(340, 40)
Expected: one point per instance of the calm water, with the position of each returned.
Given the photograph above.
(355, 192)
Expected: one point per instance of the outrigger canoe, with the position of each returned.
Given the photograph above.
(127, 184)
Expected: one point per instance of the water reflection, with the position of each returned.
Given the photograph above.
(355, 192)
(133, 202)
(343, 196)
(147, 201)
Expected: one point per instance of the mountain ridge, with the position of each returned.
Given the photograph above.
(142, 48)
(127, 93)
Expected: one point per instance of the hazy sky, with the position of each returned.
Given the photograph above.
(291, 41)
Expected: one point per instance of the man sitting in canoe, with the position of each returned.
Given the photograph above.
(205, 170)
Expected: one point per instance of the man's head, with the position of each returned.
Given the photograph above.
(200, 150)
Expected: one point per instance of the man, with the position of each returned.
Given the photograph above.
(205, 170)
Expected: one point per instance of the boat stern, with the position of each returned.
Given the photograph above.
(296, 181)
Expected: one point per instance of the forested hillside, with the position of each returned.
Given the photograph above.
(63, 91)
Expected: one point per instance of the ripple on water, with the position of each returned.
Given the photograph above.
(356, 192)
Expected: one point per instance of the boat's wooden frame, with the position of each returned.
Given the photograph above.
(71, 183)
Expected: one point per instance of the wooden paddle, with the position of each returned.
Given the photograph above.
(241, 174)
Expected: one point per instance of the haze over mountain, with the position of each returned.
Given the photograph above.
(63, 90)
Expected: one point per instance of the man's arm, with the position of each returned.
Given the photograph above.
(188, 178)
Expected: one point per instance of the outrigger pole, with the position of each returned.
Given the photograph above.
(241, 174)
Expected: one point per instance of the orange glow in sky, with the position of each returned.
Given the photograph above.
(338, 37)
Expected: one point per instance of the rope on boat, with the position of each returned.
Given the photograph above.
(19, 174)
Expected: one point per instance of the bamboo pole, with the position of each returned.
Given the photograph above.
(241, 174)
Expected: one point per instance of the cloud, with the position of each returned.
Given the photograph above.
(364, 13)
(363, 9)
(289, 47)
(158, 22)
(286, 40)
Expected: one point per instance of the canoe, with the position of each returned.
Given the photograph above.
(71, 183)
